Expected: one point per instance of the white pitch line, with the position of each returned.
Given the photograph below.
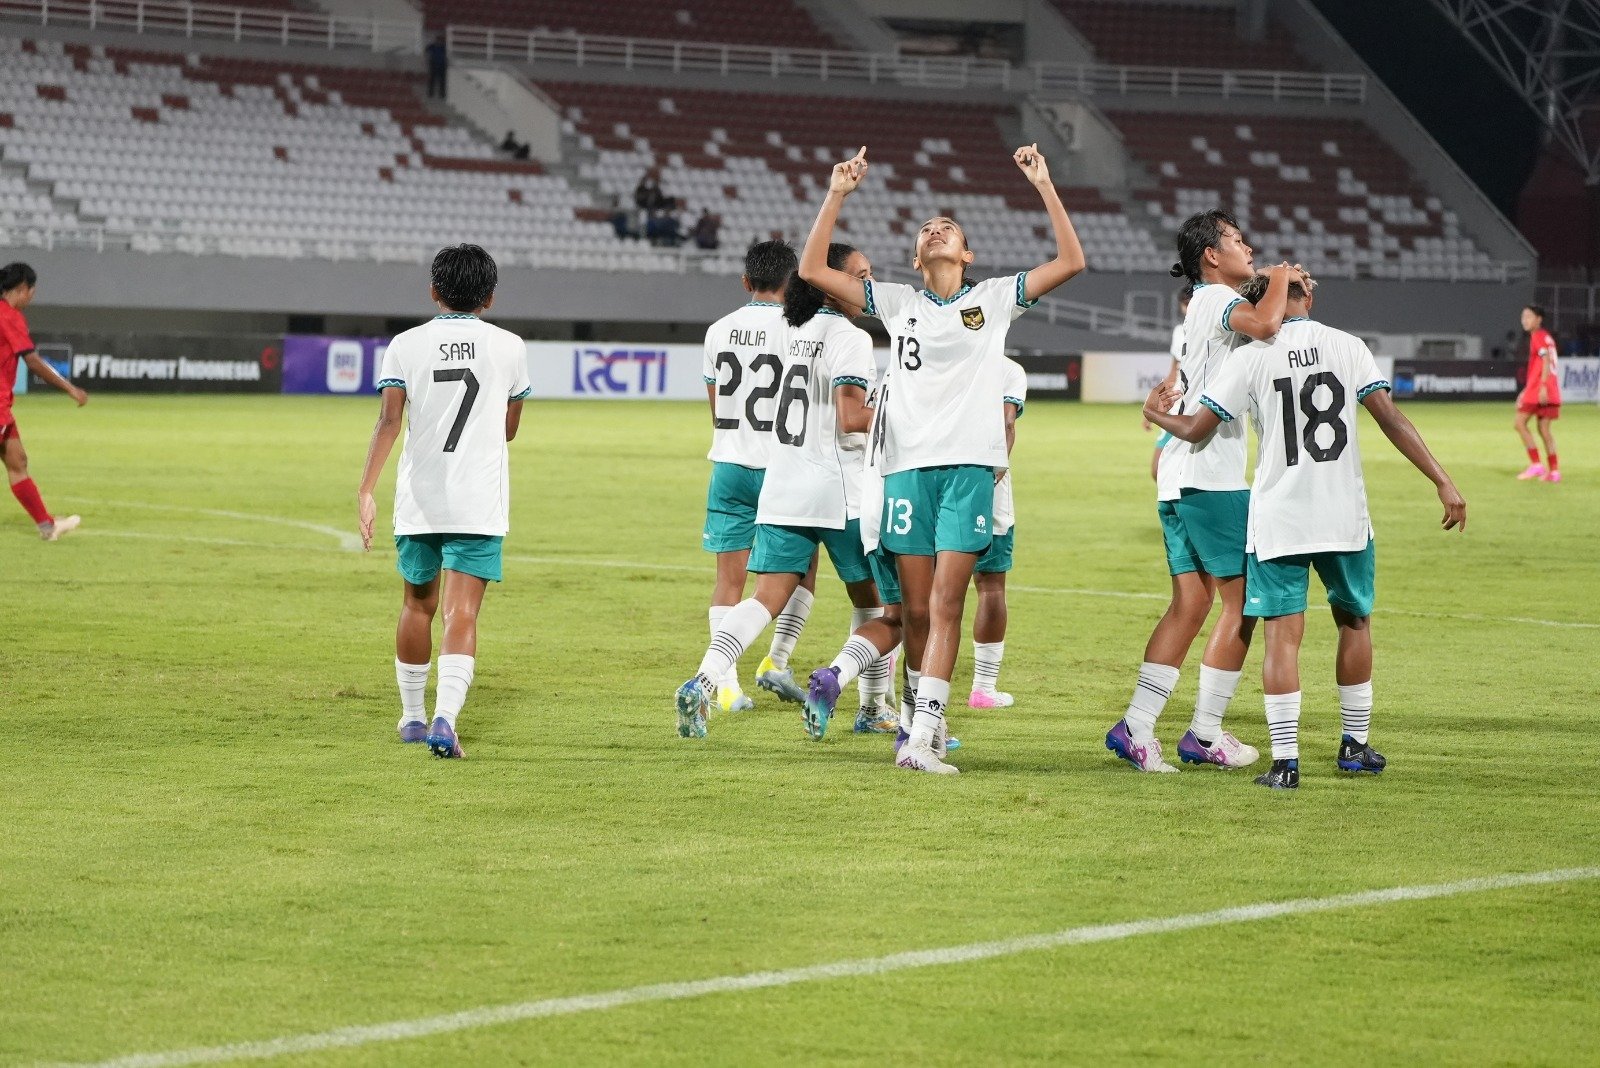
(348, 540)
(492, 1015)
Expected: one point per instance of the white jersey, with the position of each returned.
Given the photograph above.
(1218, 462)
(459, 373)
(742, 360)
(814, 472)
(947, 366)
(1015, 392)
(1302, 389)
(1178, 341)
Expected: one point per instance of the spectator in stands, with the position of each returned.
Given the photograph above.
(514, 148)
(623, 221)
(663, 227)
(438, 68)
(705, 230)
(647, 195)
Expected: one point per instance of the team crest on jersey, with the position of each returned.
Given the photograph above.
(972, 318)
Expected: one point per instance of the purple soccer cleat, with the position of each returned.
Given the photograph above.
(1226, 752)
(822, 696)
(1144, 756)
(443, 741)
(413, 730)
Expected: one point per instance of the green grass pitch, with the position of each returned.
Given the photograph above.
(214, 836)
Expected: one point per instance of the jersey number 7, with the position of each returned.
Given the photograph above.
(459, 374)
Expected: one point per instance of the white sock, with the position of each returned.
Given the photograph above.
(857, 656)
(786, 631)
(933, 697)
(1355, 710)
(1216, 690)
(742, 625)
(986, 657)
(908, 698)
(718, 613)
(413, 680)
(877, 682)
(1283, 723)
(455, 679)
(1150, 693)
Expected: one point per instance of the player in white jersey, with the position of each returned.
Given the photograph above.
(1176, 348)
(460, 383)
(742, 367)
(940, 433)
(989, 575)
(1309, 508)
(811, 497)
(1202, 502)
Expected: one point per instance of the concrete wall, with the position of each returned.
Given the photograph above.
(948, 10)
(495, 99)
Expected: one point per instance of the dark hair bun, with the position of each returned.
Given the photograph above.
(1176, 270)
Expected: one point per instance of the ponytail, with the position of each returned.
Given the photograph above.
(801, 299)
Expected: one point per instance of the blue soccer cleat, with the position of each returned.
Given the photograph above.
(442, 740)
(692, 701)
(413, 730)
(1359, 757)
(1283, 775)
(1144, 756)
(779, 681)
(876, 719)
(821, 698)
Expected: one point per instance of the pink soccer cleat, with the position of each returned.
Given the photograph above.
(990, 699)
(1554, 476)
(1532, 471)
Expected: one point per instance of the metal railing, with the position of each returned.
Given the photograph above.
(489, 44)
(221, 22)
(1567, 303)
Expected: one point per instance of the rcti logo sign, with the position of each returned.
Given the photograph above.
(624, 372)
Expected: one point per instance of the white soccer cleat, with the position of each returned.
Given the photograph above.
(733, 699)
(1224, 752)
(921, 758)
(990, 699)
(62, 526)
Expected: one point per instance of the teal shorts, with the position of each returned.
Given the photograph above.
(788, 550)
(731, 503)
(938, 509)
(420, 556)
(885, 575)
(1278, 587)
(1205, 530)
(997, 561)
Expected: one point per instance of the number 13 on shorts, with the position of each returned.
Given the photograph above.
(896, 515)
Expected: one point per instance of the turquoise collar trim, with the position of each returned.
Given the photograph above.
(761, 304)
(456, 315)
(830, 311)
(943, 301)
(1299, 319)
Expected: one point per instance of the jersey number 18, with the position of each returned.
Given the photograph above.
(1332, 415)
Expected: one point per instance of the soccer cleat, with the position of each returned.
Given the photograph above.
(990, 699)
(1554, 476)
(692, 701)
(1360, 757)
(1283, 775)
(779, 681)
(876, 719)
(442, 740)
(1144, 756)
(1226, 752)
(62, 525)
(821, 699)
(1532, 471)
(733, 699)
(921, 758)
(413, 730)
(901, 736)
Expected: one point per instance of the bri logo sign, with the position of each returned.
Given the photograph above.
(628, 372)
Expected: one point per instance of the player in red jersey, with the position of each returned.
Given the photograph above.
(1541, 397)
(18, 282)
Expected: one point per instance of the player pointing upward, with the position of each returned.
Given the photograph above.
(1308, 508)
(939, 424)
(463, 382)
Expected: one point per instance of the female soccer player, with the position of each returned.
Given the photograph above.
(811, 495)
(1540, 398)
(18, 282)
(939, 427)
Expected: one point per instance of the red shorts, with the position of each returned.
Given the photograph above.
(1539, 411)
(8, 427)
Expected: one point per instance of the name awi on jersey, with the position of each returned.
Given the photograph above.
(1304, 357)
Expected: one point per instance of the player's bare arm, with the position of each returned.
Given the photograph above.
(1400, 430)
(1011, 439)
(1264, 319)
(850, 409)
(1069, 259)
(513, 419)
(41, 367)
(846, 177)
(1196, 427)
(384, 435)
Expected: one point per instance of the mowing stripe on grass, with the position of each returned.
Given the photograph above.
(489, 1016)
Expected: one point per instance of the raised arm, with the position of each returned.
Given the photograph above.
(814, 257)
(1399, 430)
(1069, 259)
(1196, 427)
(383, 438)
(41, 367)
(1264, 319)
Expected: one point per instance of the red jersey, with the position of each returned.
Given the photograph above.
(14, 344)
(1541, 343)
